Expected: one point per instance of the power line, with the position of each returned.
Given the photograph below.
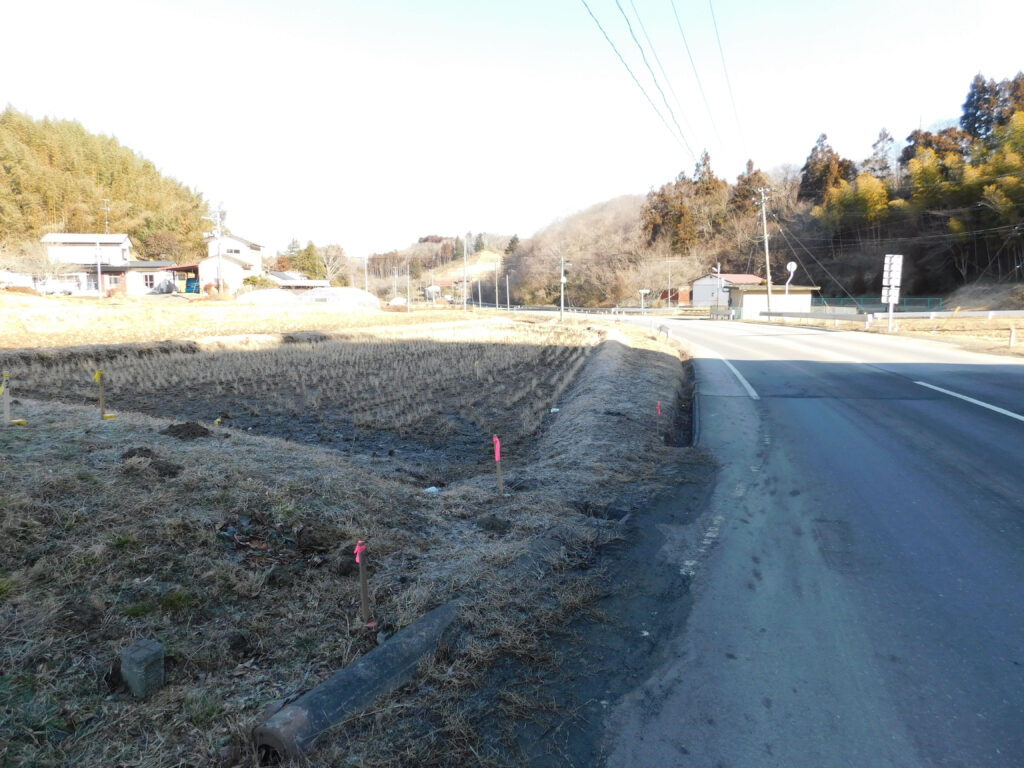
(661, 68)
(728, 82)
(833, 278)
(654, 77)
(696, 74)
(682, 143)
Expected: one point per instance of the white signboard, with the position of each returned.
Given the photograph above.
(892, 276)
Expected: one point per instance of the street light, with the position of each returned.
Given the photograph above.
(643, 292)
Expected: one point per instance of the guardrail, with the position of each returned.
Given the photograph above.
(874, 302)
(669, 311)
(987, 313)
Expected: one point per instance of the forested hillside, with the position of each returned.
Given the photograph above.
(55, 177)
(951, 202)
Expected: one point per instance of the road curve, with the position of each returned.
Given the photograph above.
(859, 591)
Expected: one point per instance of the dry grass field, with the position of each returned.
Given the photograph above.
(231, 542)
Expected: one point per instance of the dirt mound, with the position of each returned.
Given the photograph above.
(190, 430)
(145, 458)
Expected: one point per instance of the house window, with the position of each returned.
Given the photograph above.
(149, 280)
(113, 280)
(233, 250)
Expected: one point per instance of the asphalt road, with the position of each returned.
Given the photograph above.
(858, 579)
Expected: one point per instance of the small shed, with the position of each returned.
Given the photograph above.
(749, 301)
(713, 290)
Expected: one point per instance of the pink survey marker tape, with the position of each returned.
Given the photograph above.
(497, 448)
(360, 548)
(659, 407)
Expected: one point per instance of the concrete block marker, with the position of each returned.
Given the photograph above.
(292, 730)
(142, 667)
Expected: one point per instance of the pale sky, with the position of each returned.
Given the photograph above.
(370, 124)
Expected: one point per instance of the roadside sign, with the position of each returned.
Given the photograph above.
(892, 276)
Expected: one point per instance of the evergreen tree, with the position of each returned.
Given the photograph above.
(981, 107)
(512, 245)
(743, 195)
(879, 164)
(823, 170)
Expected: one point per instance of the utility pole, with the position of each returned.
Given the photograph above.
(99, 275)
(408, 289)
(508, 296)
(366, 273)
(217, 231)
(561, 289)
(496, 285)
(767, 263)
(106, 215)
(396, 282)
(670, 282)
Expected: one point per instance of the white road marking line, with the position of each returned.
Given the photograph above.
(971, 400)
(744, 382)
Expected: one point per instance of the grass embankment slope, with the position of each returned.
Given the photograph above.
(234, 550)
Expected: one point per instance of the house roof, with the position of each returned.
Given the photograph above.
(777, 288)
(297, 280)
(226, 235)
(149, 264)
(69, 238)
(739, 278)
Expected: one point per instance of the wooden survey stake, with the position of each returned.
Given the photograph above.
(497, 463)
(364, 589)
(98, 378)
(6, 395)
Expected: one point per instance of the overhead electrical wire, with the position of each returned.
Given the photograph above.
(782, 231)
(679, 138)
(654, 78)
(696, 75)
(728, 82)
(661, 68)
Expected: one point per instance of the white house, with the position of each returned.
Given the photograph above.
(713, 290)
(85, 255)
(230, 259)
